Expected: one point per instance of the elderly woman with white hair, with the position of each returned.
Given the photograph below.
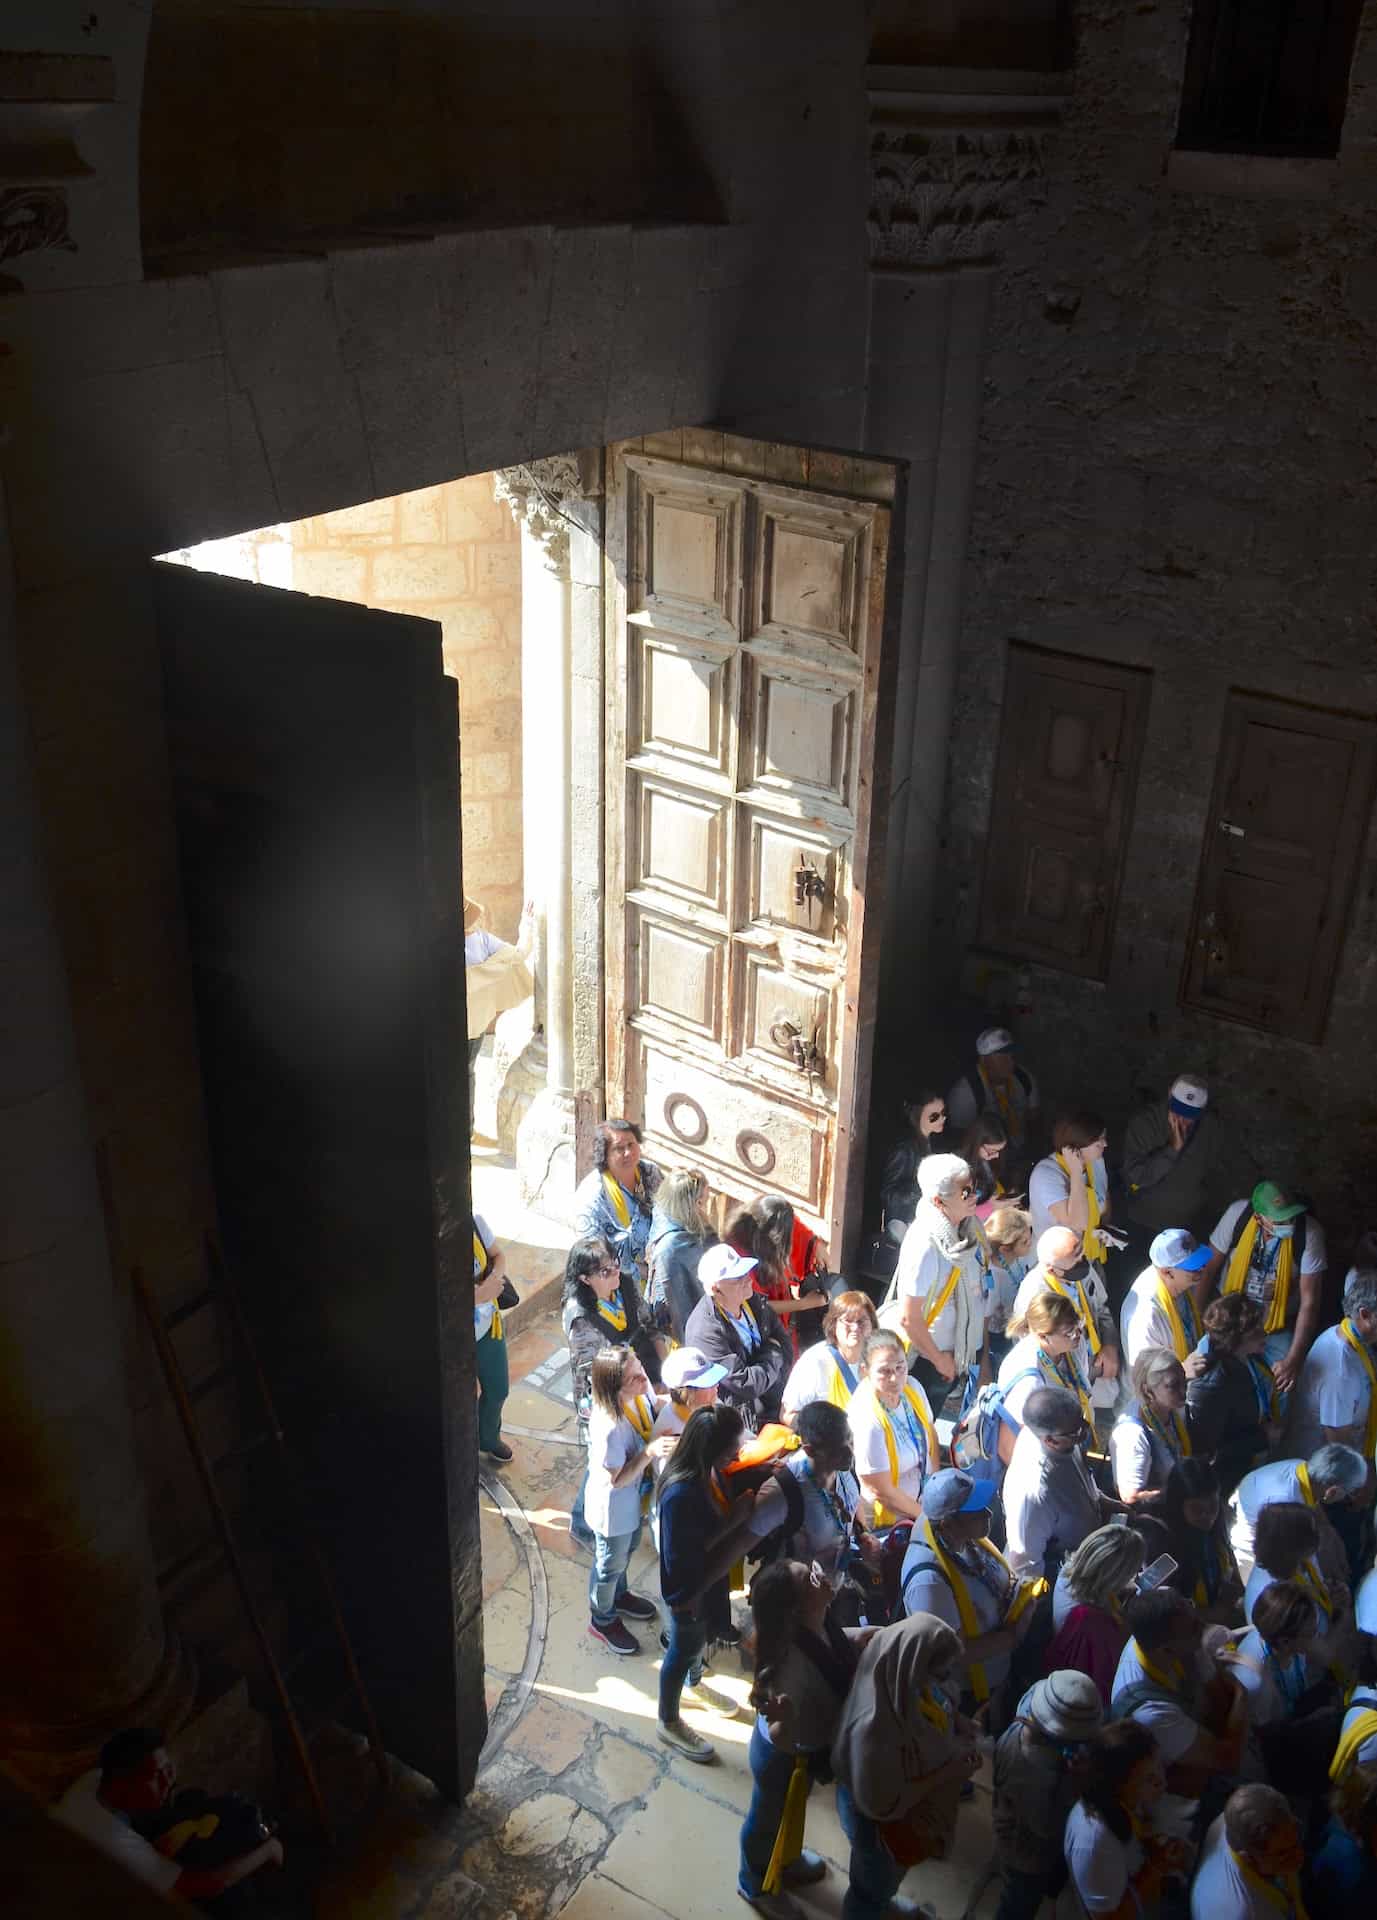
(942, 1281)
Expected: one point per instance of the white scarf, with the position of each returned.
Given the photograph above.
(966, 1248)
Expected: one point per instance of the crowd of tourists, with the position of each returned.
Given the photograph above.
(1070, 1473)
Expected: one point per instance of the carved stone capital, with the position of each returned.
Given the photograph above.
(952, 157)
(536, 494)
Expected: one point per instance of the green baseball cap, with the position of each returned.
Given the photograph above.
(1273, 1202)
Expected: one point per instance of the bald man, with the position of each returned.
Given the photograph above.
(1062, 1268)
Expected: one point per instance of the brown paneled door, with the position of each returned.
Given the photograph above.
(1286, 828)
(754, 591)
(1069, 745)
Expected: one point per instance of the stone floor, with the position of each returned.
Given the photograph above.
(578, 1811)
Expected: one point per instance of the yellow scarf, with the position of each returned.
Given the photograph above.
(837, 1390)
(1095, 1247)
(914, 1396)
(1180, 1341)
(1080, 1300)
(480, 1260)
(641, 1415)
(1284, 1894)
(789, 1837)
(616, 1196)
(1067, 1375)
(1169, 1678)
(933, 1710)
(1347, 1331)
(938, 1295)
(614, 1316)
(1309, 1581)
(1351, 1739)
(1237, 1276)
(1025, 1592)
(1303, 1481)
(1181, 1447)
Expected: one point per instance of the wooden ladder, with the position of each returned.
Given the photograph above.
(222, 1289)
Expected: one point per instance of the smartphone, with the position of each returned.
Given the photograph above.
(1162, 1568)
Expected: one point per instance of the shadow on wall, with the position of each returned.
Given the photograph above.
(263, 127)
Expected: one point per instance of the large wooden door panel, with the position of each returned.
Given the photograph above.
(752, 634)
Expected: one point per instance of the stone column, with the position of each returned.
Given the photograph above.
(82, 1645)
(546, 497)
(948, 165)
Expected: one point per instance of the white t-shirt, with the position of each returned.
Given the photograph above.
(1144, 1322)
(1265, 1486)
(1104, 1393)
(1365, 1603)
(1045, 1500)
(1259, 1283)
(868, 1442)
(82, 1809)
(1048, 1187)
(1024, 1353)
(1139, 1458)
(1100, 1864)
(482, 1316)
(1256, 1673)
(1333, 1390)
(1219, 1890)
(922, 1267)
(1170, 1725)
(811, 1378)
(611, 1510)
(1362, 1700)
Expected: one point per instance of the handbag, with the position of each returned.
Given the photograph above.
(509, 1297)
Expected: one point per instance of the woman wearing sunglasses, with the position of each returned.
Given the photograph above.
(601, 1307)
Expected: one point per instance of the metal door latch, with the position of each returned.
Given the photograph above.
(1239, 833)
(806, 1055)
(809, 886)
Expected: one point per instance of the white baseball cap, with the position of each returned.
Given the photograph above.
(724, 1263)
(1192, 1094)
(994, 1040)
(688, 1367)
(1174, 1247)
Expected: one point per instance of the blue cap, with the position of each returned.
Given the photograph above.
(952, 1491)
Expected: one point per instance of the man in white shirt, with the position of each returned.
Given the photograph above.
(1159, 1308)
(136, 1775)
(1250, 1864)
(1336, 1394)
(940, 1278)
(1050, 1501)
(1160, 1682)
(1270, 1248)
(1330, 1476)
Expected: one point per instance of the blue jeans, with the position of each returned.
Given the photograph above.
(579, 1528)
(607, 1580)
(771, 1769)
(687, 1638)
(875, 1874)
(1275, 1348)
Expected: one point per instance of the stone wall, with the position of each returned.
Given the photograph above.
(1176, 471)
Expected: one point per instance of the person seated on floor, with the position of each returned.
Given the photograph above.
(1050, 1501)
(1116, 1858)
(623, 1449)
(615, 1200)
(1095, 1584)
(892, 1434)
(939, 1283)
(1287, 1547)
(1150, 1436)
(804, 1664)
(1232, 1401)
(925, 1118)
(1041, 1763)
(830, 1370)
(1159, 1309)
(733, 1324)
(680, 1234)
(1332, 1475)
(1251, 1861)
(1198, 1540)
(135, 1781)
(1341, 1874)
(954, 1570)
(1196, 1712)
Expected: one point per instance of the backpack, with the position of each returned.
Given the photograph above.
(974, 1444)
(760, 1460)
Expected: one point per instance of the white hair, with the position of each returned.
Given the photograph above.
(940, 1173)
(1360, 1290)
(1053, 1241)
(1335, 1465)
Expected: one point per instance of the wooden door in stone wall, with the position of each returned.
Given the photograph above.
(753, 590)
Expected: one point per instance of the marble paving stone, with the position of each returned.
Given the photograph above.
(618, 1774)
(689, 1880)
(553, 1736)
(602, 1899)
(507, 1628)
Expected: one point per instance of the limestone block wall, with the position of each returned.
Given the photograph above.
(1176, 472)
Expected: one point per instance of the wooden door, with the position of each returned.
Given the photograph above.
(753, 664)
(1070, 740)
(1285, 832)
(315, 763)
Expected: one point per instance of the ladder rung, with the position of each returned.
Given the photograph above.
(221, 1377)
(187, 1309)
(233, 1455)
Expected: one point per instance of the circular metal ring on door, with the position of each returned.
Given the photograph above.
(693, 1130)
(755, 1151)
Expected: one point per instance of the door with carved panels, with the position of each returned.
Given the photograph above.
(749, 738)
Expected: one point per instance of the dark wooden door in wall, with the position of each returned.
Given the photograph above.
(1285, 832)
(1069, 746)
(315, 764)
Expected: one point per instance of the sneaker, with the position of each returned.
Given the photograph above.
(673, 1733)
(715, 1699)
(499, 1450)
(728, 1636)
(635, 1606)
(614, 1637)
(803, 1872)
(776, 1906)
